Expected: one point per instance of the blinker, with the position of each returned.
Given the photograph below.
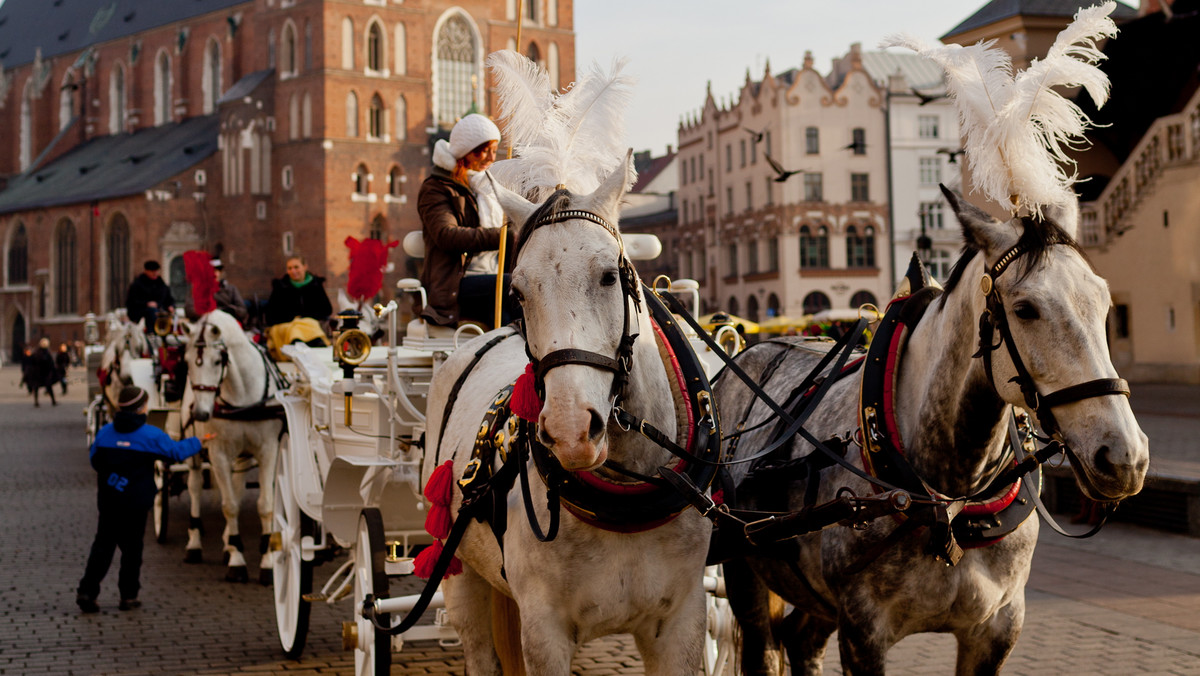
(985, 284)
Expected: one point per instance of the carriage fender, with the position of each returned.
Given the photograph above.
(353, 482)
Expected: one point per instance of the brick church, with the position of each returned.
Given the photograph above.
(253, 129)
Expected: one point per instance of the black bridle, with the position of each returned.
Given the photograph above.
(995, 319)
(222, 408)
(622, 362)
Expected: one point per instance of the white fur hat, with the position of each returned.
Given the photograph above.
(471, 132)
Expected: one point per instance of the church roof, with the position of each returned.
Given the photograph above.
(114, 166)
(997, 10)
(67, 26)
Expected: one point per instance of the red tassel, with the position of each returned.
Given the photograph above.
(438, 521)
(423, 564)
(427, 559)
(440, 487)
(524, 401)
(718, 497)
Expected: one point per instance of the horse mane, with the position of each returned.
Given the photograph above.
(1036, 240)
(555, 203)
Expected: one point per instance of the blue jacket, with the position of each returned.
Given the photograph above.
(123, 456)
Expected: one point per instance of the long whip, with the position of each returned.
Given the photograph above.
(504, 226)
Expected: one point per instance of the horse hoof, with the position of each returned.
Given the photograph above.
(266, 578)
(237, 574)
(193, 556)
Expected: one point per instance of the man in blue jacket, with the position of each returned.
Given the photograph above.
(123, 456)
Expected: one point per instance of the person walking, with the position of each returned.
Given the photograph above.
(44, 372)
(123, 456)
(62, 364)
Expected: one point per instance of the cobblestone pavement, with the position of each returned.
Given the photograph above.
(1127, 601)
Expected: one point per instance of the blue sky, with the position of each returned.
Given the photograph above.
(676, 46)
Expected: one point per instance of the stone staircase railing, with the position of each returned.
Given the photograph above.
(1172, 139)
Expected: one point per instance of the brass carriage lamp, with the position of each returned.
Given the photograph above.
(351, 347)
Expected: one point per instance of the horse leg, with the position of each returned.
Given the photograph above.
(984, 648)
(267, 451)
(545, 641)
(755, 608)
(806, 637)
(469, 605)
(862, 645)
(222, 470)
(675, 645)
(195, 488)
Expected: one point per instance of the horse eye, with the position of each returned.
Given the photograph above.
(608, 278)
(1025, 310)
(516, 293)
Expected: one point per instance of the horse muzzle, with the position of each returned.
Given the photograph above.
(1113, 471)
(575, 436)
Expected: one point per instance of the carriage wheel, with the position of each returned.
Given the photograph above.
(292, 575)
(373, 652)
(719, 645)
(162, 487)
(97, 416)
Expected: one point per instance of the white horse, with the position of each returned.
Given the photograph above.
(232, 386)
(950, 420)
(576, 288)
(127, 343)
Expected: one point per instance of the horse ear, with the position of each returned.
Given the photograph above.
(607, 197)
(979, 227)
(518, 208)
(1065, 216)
(141, 325)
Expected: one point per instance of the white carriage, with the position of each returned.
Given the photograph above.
(349, 477)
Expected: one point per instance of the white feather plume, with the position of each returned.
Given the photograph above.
(574, 138)
(1017, 128)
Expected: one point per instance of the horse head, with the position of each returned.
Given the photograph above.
(1044, 343)
(574, 284)
(208, 359)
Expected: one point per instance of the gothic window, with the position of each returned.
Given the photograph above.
(752, 308)
(773, 306)
(66, 101)
(455, 80)
(117, 262)
(773, 254)
(18, 256)
(378, 228)
(347, 44)
(733, 260)
(362, 180)
(65, 262)
(293, 118)
(401, 119)
(534, 54)
(375, 118)
(375, 48)
(26, 157)
(211, 80)
(552, 64)
(308, 46)
(306, 116)
(352, 115)
(116, 100)
(400, 62)
(162, 88)
(395, 181)
(287, 50)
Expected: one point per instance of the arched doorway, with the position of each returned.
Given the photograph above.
(18, 338)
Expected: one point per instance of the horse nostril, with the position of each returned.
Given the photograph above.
(596, 428)
(544, 438)
(201, 416)
(1104, 463)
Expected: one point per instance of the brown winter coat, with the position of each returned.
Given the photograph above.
(450, 221)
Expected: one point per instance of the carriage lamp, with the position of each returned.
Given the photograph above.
(91, 331)
(351, 347)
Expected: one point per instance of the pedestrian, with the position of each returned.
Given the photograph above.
(123, 456)
(148, 295)
(27, 378)
(44, 372)
(62, 363)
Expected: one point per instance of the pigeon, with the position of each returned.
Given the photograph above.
(952, 154)
(782, 174)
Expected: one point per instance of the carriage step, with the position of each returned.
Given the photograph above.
(314, 598)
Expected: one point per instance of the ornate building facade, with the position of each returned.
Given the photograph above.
(255, 130)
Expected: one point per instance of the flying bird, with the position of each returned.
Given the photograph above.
(755, 136)
(952, 154)
(781, 173)
(926, 98)
(858, 147)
